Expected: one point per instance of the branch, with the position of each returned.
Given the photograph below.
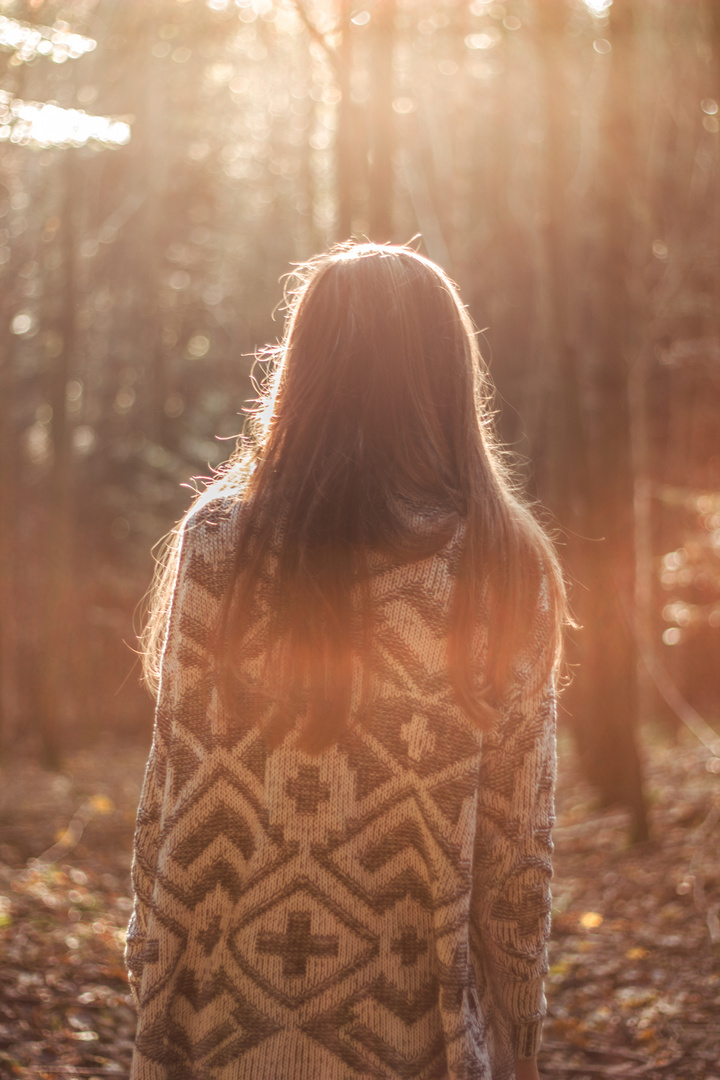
(683, 710)
(317, 35)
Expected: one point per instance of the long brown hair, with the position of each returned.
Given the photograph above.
(378, 400)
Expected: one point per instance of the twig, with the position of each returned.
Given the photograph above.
(683, 709)
(317, 35)
(84, 1070)
(618, 1051)
(561, 1067)
(711, 913)
(605, 1051)
(584, 828)
(69, 839)
(610, 1070)
(709, 823)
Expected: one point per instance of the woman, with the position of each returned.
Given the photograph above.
(343, 843)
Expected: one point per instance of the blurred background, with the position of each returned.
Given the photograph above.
(162, 162)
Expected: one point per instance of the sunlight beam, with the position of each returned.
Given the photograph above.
(44, 124)
(598, 7)
(28, 41)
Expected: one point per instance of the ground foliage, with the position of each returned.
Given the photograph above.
(559, 158)
(634, 982)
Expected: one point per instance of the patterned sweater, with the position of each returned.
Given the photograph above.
(380, 910)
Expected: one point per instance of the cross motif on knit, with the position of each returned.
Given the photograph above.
(409, 946)
(309, 916)
(418, 736)
(307, 790)
(297, 944)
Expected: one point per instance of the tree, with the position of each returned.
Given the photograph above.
(44, 124)
(590, 467)
(559, 158)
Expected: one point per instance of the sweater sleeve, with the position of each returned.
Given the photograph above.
(185, 660)
(147, 832)
(515, 815)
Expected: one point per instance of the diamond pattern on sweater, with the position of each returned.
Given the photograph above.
(450, 795)
(311, 917)
(300, 943)
(223, 821)
(229, 1028)
(381, 866)
(369, 769)
(418, 741)
(365, 1033)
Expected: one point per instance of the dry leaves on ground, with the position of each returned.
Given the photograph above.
(634, 982)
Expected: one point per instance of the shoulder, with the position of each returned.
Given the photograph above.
(213, 518)
(208, 541)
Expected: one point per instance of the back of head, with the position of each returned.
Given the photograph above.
(378, 397)
(377, 380)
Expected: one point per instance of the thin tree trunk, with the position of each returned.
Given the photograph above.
(344, 138)
(607, 724)
(10, 702)
(8, 468)
(590, 465)
(382, 123)
(713, 9)
(566, 437)
(59, 588)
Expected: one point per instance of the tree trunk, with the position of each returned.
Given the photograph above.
(10, 703)
(607, 686)
(59, 609)
(589, 465)
(382, 123)
(8, 471)
(344, 143)
(565, 436)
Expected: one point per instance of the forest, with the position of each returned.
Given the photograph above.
(163, 163)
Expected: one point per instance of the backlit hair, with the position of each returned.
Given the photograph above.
(378, 399)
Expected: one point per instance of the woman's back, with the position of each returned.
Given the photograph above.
(342, 854)
(366, 911)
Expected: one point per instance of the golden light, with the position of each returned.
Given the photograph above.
(591, 920)
(44, 124)
(56, 42)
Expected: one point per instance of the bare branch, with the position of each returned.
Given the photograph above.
(317, 35)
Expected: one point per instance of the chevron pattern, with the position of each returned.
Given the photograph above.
(380, 910)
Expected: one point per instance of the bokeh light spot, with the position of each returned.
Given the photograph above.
(83, 439)
(591, 920)
(198, 346)
(23, 323)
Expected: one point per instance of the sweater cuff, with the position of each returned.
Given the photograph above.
(527, 1039)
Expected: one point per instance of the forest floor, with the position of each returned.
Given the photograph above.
(634, 982)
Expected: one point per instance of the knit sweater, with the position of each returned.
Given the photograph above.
(379, 910)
